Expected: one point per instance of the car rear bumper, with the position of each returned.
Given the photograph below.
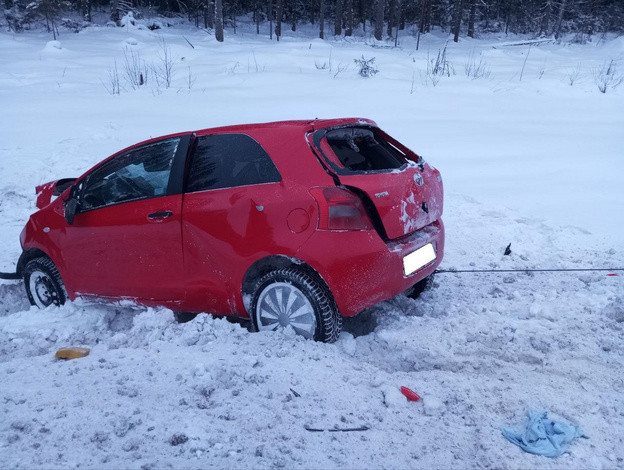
(362, 270)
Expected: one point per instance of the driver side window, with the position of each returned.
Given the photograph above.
(140, 173)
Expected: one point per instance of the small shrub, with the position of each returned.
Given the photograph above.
(114, 84)
(164, 72)
(574, 75)
(474, 69)
(190, 79)
(367, 67)
(541, 71)
(607, 76)
(135, 69)
(341, 68)
(439, 67)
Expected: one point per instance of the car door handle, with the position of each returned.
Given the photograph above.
(160, 215)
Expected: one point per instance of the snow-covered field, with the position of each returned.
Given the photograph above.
(526, 158)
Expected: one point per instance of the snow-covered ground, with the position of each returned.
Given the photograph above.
(532, 161)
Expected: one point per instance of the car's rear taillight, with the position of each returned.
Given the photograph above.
(340, 209)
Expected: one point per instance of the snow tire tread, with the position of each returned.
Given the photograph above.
(328, 318)
(46, 265)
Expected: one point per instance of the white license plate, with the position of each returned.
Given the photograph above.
(419, 258)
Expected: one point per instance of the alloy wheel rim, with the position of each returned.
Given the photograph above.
(42, 289)
(280, 305)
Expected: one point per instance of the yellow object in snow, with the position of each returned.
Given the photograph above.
(71, 353)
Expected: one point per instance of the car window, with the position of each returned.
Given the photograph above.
(360, 149)
(140, 173)
(229, 160)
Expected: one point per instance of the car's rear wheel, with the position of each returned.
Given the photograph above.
(297, 298)
(43, 282)
(420, 287)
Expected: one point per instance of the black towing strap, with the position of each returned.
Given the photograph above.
(9, 275)
(562, 270)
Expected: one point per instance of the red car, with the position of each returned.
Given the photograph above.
(289, 223)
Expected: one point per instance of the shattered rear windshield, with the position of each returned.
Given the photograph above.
(361, 149)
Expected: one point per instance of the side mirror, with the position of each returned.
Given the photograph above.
(71, 206)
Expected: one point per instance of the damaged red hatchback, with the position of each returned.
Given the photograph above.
(289, 223)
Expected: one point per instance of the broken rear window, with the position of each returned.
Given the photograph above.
(360, 149)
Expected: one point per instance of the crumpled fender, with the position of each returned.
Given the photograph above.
(53, 188)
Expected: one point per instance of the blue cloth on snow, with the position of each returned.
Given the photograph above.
(543, 436)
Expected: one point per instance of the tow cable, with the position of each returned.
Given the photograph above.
(9, 276)
(562, 270)
(553, 270)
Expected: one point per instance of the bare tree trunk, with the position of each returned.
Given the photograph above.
(507, 16)
(426, 17)
(560, 18)
(379, 19)
(397, 23)
(391, 19)
(349, 6)
(363, 15)
(421, 22)
(545, 26)
(487, 16)
(471, 18)
(211, 14)
(338, 20)
(219, 20)
(279, 11)
(457, 17)
(322, 21)
(270, 18)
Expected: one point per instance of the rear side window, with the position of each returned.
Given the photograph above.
(229, 160)
(140, 173)
(361, 149)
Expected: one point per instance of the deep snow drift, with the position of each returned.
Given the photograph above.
(535, 162)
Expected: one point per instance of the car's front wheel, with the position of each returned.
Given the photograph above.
(297, 298)
(43, 282)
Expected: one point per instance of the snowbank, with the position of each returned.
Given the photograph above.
(535, 162)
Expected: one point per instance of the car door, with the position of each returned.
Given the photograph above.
(125, 240)
(232, 209)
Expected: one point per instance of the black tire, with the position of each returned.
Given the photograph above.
(328, 322)
(48, 285)
(420, 287)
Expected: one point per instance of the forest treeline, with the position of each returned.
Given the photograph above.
(381, 18)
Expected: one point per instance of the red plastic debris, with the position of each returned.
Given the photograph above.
(612, 274)
(409, 394)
